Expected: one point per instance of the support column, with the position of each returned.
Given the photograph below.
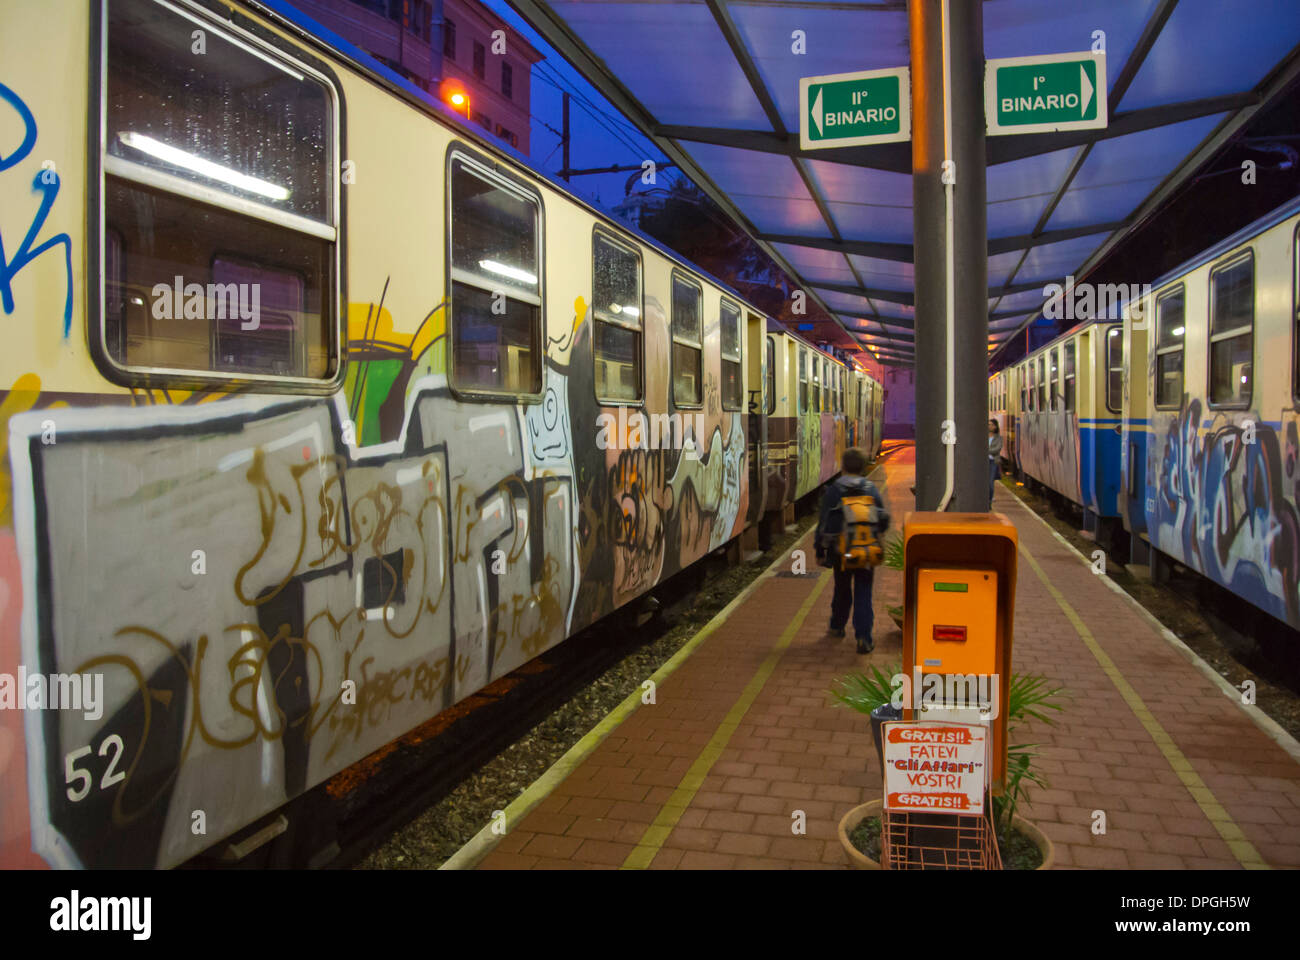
(961, 140)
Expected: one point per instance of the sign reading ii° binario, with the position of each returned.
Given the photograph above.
(855, 109)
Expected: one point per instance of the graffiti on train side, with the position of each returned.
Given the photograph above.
(1047, 445)
(45, 184)
(350, 590)
(810, 453)
(1221, 499)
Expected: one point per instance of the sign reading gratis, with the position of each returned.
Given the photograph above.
(1045, 94)
(936, 767)
(855, 109)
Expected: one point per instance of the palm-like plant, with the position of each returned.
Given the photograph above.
(1029, 696)
(865, 693)
(893, 549)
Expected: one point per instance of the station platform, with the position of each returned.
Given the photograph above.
(743, 732)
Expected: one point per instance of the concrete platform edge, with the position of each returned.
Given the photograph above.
(482, 843)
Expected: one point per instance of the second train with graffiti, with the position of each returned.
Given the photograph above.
(324, 413)
(1179, 423)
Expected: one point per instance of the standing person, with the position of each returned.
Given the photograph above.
(995, 450)
(852, 587)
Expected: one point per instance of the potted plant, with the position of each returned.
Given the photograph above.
(893, 559)
(874, 696)
(1020, 842)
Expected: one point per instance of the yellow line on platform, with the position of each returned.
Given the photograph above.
(481, 844)
(655, 835)
(1241, 848)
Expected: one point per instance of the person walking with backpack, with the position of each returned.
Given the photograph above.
(853, 517)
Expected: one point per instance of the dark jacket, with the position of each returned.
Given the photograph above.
(831, 521)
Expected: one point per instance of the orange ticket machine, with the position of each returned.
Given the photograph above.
(959, 592)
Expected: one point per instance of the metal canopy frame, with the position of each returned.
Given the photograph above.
(897, 158)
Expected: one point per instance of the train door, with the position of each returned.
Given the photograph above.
(757, 377)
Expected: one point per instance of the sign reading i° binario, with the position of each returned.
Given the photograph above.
(1046, 94)
(938, 767)
(854, 109)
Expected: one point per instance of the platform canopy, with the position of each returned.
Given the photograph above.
(716, 84)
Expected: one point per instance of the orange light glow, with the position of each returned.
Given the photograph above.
(458, 99)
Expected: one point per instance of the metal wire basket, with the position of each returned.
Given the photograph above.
(938, 841)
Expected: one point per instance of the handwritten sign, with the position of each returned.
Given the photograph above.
(936, 767)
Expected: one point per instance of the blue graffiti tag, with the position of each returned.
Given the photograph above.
(46, 183)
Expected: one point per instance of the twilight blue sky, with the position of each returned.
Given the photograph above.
(594, 123)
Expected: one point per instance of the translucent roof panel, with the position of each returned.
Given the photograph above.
(766, 187)
(817, 266)
(1120, 173)
(1001, 265)
(895, 311)
(1026, 301)
(1019, 28)
(866, 204)
(883, 274)
(695, 76)
(640, 43)
(1019, 191)
(834, 43)
(1050, 262)
(846, 302)
(1209, 48)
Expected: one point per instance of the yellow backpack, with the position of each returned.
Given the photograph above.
(858, 546)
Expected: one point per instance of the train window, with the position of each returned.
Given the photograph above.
(178, 196)
(1024, 400)
(814, 389)
(616, 319)
(687, 369)
(1114, 369)
(828, 393)
(1232, 328)
(1054, 380)
(1068, 375)
(1170, 332)
(771, 376)
(496, 302)
(732, 386)
(1042, 383)
(803, 380)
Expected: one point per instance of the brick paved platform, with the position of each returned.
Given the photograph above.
(743, 734)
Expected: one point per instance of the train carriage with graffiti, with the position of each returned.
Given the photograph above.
(1211, 444)
(1190, 437)
(1066, 412)
(323, 412)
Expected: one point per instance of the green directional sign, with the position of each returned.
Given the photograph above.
(852, 109)
(1064, 91)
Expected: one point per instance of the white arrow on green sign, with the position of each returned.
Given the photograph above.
(1063, 91)
(853, 109)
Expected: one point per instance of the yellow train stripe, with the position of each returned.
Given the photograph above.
(1227, 828)
(673, 808)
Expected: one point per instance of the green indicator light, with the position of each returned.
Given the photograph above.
(951, 587)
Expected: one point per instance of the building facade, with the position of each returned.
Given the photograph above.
(480, 56)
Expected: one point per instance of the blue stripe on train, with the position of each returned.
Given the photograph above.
(1136, 467)
(1099, 468)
